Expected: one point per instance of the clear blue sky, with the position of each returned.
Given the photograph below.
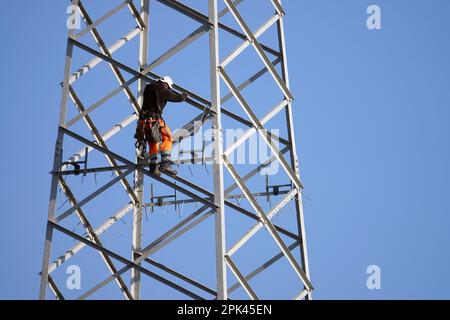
(371, 114)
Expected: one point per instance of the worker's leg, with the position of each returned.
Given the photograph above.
(166, 144)
(153, 153)
(166, 149)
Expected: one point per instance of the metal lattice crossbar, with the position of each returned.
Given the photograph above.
(213, 203)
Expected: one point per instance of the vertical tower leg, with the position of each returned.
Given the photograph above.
(51, 215)
(139, 178)
(56, 167)
(293, 155)
(218, 151)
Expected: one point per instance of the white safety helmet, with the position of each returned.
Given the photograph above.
(168, 80)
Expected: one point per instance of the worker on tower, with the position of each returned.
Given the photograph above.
(153, 129)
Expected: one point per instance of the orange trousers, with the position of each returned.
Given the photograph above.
(166, 145)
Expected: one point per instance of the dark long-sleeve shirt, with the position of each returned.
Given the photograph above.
(156, 96)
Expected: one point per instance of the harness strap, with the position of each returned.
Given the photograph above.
(142, 127)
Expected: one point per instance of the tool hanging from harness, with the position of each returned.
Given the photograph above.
(147, 131)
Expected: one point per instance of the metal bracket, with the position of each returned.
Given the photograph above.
(76, 164)
(276, 190)
(158, 201)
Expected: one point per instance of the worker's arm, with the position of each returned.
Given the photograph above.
(172, 96)
(147, 92)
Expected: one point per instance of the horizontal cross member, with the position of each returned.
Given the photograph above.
(230, 197)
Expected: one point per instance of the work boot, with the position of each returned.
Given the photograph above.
(154, 166)
(166, 163)
(166, 167)
(154, 169)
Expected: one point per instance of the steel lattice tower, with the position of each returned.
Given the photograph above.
(128, 270)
